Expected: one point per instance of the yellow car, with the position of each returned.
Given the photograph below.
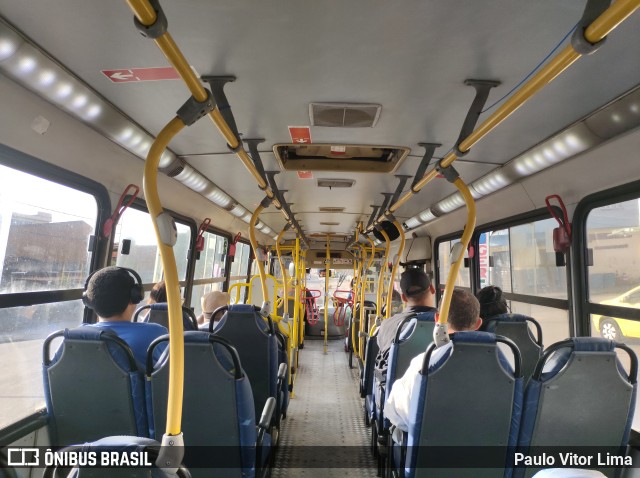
(617, 329)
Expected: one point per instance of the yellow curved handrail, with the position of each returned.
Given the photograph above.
(464, 240)
(383, 269)
(176, 342)
(394, 270)
(254, 246)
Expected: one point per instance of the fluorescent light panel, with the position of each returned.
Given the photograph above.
(33, 69)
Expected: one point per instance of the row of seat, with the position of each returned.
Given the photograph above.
(94, 388)
(470, 398)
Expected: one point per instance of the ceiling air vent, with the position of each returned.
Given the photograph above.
(174, 169)
(331, 209)
(344, 115)
(324, 223)
(335, 183)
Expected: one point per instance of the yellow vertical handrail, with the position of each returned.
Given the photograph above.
(394, 270)
(176, 342)
(285, 288)
(383, 268)
(464, 243)
(254, 246)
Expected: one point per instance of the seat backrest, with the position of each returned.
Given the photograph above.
(468, 397)
(218, 419)
(516, 327)
(159, 314)
(580, 395)
(93, 387)
(413, 335)
(254, 339)
(370, 353)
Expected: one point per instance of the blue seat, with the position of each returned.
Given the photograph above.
(413, 335)
(93, 387)
(253, 336)
(218, 418)
(516, 327)
(580, 395)
(467, 397)
(159, 314)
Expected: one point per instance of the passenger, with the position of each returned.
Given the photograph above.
(113, 293)
(464, 315)
(210, 303)
(492, 302)
(158, 293)
(418, 293)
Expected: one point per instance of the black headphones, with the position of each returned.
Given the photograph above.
(135, 296)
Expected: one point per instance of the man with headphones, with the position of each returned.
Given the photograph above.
(114, 292)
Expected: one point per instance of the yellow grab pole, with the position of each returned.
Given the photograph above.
(356, 298)
(395, 268)
(254, 246)
(383, 267)
(464, 243)
(327, 271)
(176, 342)
(597, 31)
(283, 272)
(369, 264)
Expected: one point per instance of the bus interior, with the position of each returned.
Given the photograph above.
(300, 156)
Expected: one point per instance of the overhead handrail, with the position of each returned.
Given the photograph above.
(146, 15)
(593, 34)
(394, 269)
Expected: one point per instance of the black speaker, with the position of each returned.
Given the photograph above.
(135, 296)
(389, 228)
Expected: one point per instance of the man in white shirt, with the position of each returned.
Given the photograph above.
(464, 315)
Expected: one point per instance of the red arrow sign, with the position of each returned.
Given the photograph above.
(300, 134)
(142, 74)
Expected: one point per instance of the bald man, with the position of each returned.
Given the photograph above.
(211, 302)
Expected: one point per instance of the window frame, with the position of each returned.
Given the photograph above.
(581, 306)
(28, 164)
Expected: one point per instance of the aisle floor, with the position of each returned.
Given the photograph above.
(324, 433)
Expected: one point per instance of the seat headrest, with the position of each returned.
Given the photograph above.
(88, 333)
(592, 344)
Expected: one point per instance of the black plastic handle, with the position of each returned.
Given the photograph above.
(213, 339)
(517, 358)
(214, 313)
(535, 323)
(401, 325)
(192, 316)
(46, 360)
(633, 360)
(144, 307)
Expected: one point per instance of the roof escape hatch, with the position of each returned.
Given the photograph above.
(344, 115)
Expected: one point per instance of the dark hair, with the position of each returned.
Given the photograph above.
(159, 292)
(492, 302)
(109, 291)
(414, 283)
(463, 311)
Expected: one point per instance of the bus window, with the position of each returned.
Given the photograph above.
(141, 253)
(521, 261)
(444, 265)
(209, 272)
(239, 268)
(613, 239)
(45, 229)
